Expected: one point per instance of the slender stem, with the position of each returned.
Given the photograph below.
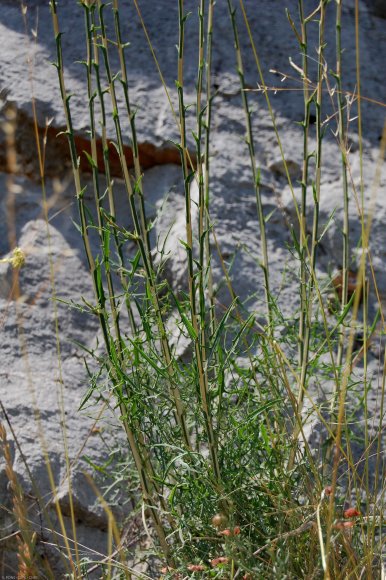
(142, 240)
(255, 172)
(131, 116)
(141, 462)
(103, 235)
(345, 230)
(109, 181)
(198, 346)
(303, 207)
(202, 233)
(208, 119)
(364, 235)
(316, 196)
(342, 144)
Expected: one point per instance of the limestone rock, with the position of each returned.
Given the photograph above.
(30, 377)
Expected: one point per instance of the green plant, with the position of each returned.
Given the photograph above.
(223, 432)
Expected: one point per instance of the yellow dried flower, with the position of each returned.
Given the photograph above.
(17, 260)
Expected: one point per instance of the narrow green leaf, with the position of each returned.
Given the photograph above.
(188, 325)
(90, 160)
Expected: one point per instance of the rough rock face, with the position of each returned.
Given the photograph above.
(378, 7)
(31, 377)
(39, 394)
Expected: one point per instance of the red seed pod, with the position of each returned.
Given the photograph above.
(328, 490)
(351, 513)
(343, 525)
(236, 530)
(220, 560)
(196, 568)
(226, 532)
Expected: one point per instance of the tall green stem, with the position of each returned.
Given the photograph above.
(199, 347)
(109, 181)
(316, 195)
(102, 232)
(255, 172)
(140, 231)
(342, 145)
(303, 207)
(142, 464)
(208, 119)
